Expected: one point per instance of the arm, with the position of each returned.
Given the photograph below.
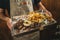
(2, 17)
(5, 18)
(42, 7)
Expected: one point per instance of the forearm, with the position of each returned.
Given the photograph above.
(3, 17)
(41, 6)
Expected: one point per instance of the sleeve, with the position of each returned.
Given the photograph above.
(7, 5)
(1, 4)
(36, 2)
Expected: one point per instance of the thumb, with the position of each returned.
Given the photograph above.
(9, 24)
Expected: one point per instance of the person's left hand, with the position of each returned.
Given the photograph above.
(49, 13)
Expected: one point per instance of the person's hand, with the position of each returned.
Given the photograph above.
(49, 13)
(9, 23)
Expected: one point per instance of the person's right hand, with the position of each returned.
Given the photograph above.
(9, 23)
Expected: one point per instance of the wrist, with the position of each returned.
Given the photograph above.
(7, 19)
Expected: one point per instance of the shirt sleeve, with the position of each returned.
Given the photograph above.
(7, 5)
(35, 2)
(4, 3)
(1, 4)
